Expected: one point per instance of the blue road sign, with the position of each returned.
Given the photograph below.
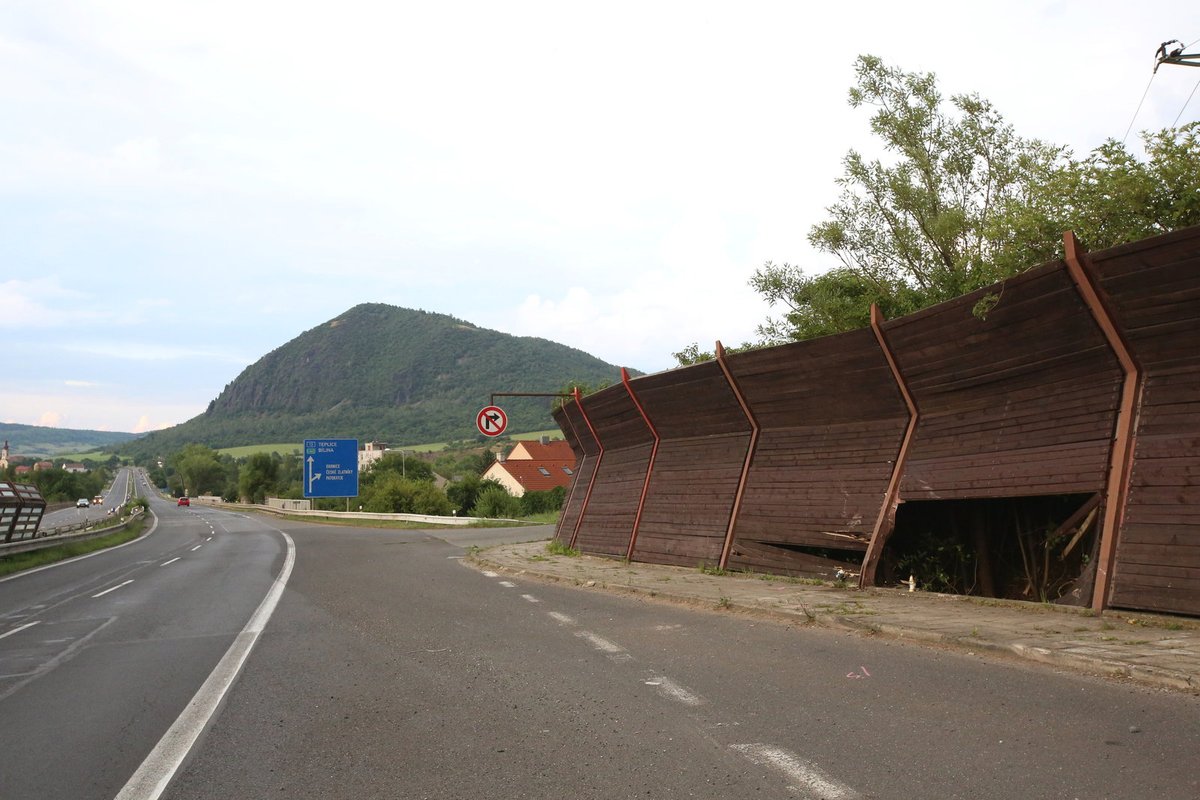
(331, 467)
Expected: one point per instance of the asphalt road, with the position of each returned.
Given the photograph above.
(99, 656)
(391, 670)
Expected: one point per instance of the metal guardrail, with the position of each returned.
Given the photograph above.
(63, 535)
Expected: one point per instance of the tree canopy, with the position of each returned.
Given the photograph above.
(959, 201)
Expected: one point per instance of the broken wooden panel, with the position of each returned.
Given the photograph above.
(607, 523)
(832, 419)
(703, 440)
(1153, 288)
(586, 448)
(1018, 401)
(785, 560)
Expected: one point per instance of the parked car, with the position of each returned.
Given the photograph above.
(82, 503)
(183, 501)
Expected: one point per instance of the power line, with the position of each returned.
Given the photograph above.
(1139, 108)
(1185, 104)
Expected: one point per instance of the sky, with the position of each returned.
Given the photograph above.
(186, 186)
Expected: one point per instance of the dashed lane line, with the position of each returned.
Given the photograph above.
(561, 618)
(197, 547)
(803, 777)
(112, 588)
(672, 690)
(169, 561)
(19, 628)
(530, 598)
(490, 574)
(600, 643)
(508, 584)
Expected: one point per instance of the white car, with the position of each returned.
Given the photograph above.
(82, 502)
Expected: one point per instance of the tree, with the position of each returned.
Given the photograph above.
(259, 476)
(494, 502)
(962, 202)
(199, 469)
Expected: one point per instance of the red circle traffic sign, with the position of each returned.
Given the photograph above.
(491, 421)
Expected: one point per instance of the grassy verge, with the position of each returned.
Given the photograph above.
(18, 562)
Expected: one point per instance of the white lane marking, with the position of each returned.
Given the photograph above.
(169, 561)
(455, 558)
(674, 691)
(197, 547)
(113, 588)
(508, 584)
(561, 618)
(804, 777)
(209, 539)
(490, 574)
(600, 643)
(151, 778)
(92, 554)
(19, 628)
(530, 598)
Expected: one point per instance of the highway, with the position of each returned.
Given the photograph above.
(99, 656)
(392, 670)
(114, 498)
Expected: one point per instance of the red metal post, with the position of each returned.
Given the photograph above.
(637, 520)
(887, 513)
(1120, 460)
(595, 471)
(754, 429)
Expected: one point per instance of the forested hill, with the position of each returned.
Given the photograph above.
(387, 373)
(35, 440)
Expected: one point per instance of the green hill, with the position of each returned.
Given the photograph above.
(34, 440)
(386, 373)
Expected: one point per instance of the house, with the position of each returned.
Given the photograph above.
(534, 467)
(371, 452)
(41, 465)
(73, 466)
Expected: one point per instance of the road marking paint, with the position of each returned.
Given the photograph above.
(508, 584)
(197, 547)
(804, 777)
(26, 572)
(672, 690)
(209, 539)
(19, 628)
(600, 643)
(530, 598)
(113, 588)
(455, 558)
(150, 779)
(490, 574)
(562, 618)
(171, 561)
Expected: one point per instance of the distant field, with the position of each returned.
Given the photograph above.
(430, 447)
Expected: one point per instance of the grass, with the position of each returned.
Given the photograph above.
(710, 569)
(18, 562)
(556, 548)
(724, 602)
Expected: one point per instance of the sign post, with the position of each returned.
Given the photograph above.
(491, 421)
(331, 467)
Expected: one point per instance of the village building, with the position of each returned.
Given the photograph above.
(535, 466)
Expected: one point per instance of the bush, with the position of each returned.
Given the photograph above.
(494, 502)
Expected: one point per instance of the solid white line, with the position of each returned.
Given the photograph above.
(805, 778)
(113, 588)
(19, 628)
(508, 584)
(530, 598)
(674, 691)
(92, 554)
(197, 547)
(600, 643)
(563, 618)
(170, 561)
(155, 773)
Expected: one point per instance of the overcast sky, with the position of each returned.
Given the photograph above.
(186, 186)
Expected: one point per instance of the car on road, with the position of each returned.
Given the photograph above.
(82, 503)
(98, 500)
(183, 501)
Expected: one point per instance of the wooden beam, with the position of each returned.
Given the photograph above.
(637, 520)
(1120, 461)
(753, 445)
(595, 471)
(886, 520)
